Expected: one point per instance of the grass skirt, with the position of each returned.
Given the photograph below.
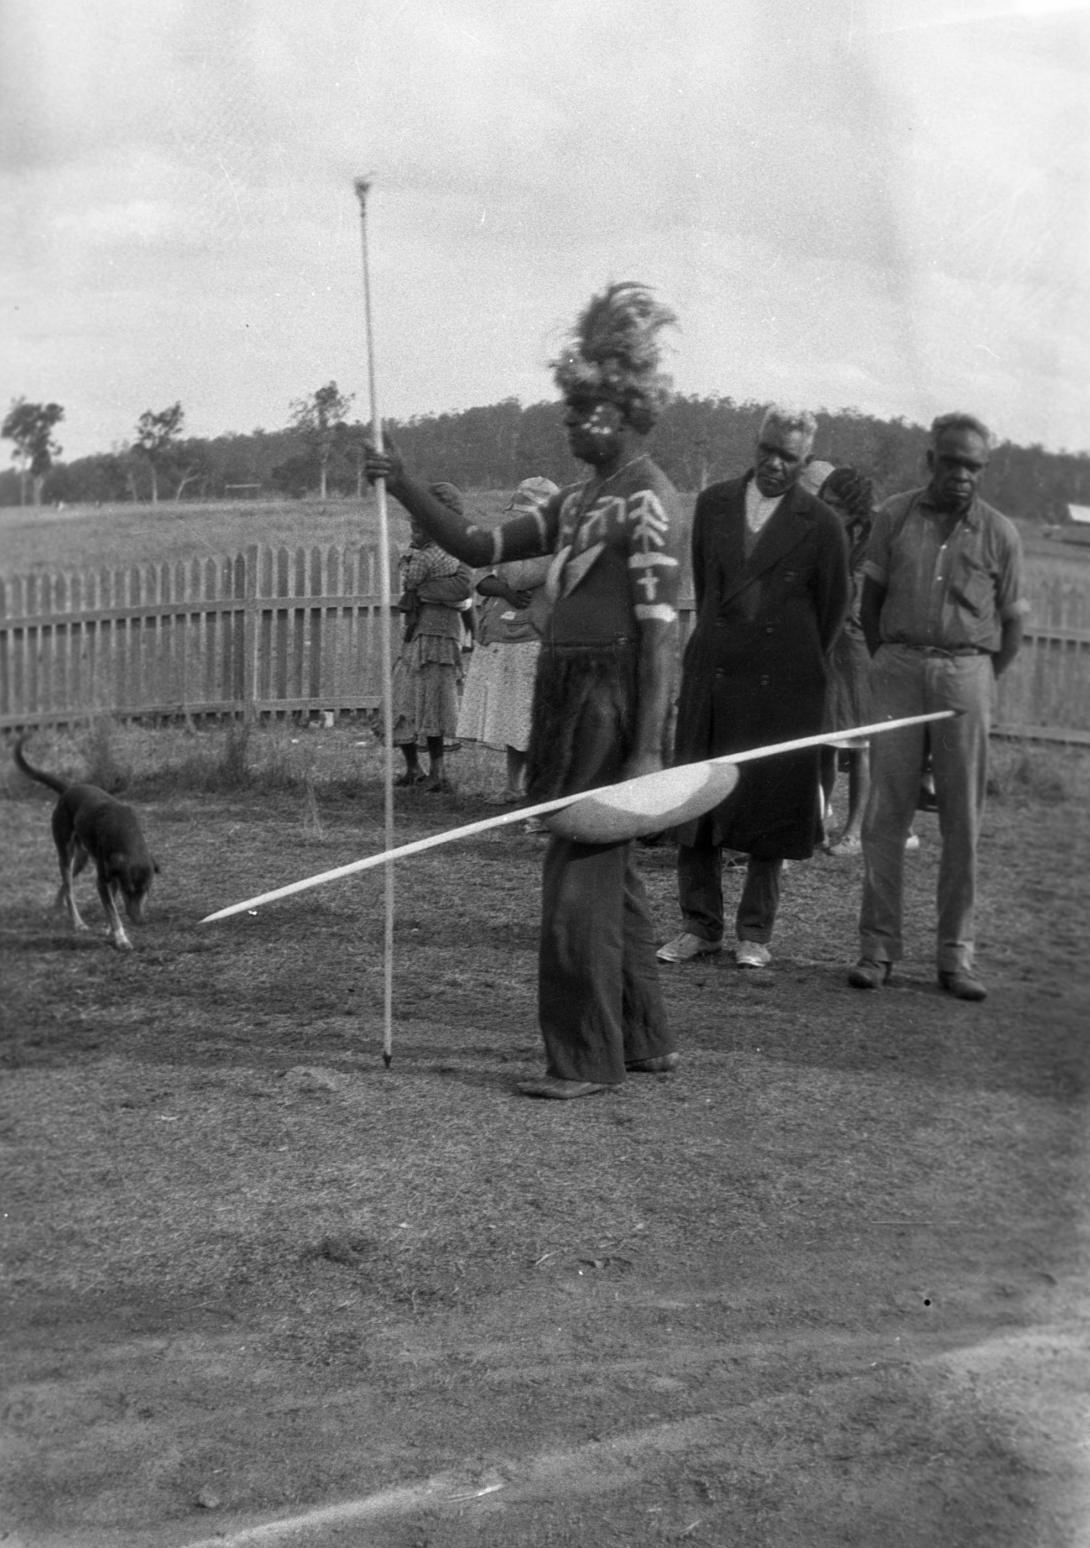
(584, 718)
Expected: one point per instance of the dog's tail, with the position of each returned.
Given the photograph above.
(40, 775)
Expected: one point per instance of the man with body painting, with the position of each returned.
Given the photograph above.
(604, 685)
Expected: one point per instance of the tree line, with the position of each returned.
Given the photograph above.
(319, 453)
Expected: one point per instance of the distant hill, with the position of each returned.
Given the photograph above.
(698, 441)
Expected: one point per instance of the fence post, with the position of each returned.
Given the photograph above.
(250, 635)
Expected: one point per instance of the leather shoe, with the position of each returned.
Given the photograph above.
(869, 974)
(561, 1090)
(850, 844)
(686, 946)
(752, 954)
(661, 1064)
(962, 985)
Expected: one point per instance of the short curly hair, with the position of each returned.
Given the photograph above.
(960, 421)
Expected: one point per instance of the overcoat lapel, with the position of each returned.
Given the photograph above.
(783, 531)
(729, 528)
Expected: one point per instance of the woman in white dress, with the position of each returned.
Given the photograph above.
(499, 688)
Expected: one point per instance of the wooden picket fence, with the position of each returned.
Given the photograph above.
(1045, 694)
(261, 633)
(296, 632)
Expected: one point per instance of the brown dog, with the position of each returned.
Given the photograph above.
(89, 824)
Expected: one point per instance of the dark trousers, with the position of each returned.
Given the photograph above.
(599, 999)
(700, 893)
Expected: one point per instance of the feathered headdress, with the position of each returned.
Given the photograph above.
(614, 354)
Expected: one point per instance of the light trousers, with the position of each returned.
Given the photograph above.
(906, 681)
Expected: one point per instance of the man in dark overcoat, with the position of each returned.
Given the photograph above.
(770, 577)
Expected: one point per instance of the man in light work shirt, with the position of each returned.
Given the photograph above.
(942, 614)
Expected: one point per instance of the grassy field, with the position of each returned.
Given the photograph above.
(1046, 687)
(86, 537)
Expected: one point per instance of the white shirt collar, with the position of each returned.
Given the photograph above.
(759, 507)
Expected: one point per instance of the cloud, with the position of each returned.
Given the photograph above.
(854, 197)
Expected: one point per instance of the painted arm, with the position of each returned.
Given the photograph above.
(653, 578)
(658, 649)
(520, 538)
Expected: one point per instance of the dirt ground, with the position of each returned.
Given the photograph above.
(827, 1285)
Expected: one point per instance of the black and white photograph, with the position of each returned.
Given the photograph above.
(545, 772)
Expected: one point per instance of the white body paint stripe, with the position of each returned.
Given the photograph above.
(643, 561)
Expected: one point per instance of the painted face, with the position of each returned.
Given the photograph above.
(594, 431)
(779, 458)
(957, 462)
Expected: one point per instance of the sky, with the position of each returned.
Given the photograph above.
(871, 204)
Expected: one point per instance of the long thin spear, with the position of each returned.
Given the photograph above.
(362, 186)
(449, 835)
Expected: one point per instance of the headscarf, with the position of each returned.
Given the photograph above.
(814, 475)
(532, 494)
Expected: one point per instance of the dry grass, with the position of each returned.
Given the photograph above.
(776, 1294)
(86, 537)
(83, 537)
(305, 759)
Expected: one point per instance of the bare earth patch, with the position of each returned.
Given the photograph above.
(827, 1285)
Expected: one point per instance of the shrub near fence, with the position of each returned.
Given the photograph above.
(280, 631)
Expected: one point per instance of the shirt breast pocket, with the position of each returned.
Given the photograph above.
(973, 588)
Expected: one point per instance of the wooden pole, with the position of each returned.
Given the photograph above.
(363, 186)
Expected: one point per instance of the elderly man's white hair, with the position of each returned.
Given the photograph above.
(788, 418)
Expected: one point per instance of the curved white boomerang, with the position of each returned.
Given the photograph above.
(610, 814)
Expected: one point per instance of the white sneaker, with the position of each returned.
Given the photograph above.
(912, 843)
(752, 954)
(684, 947)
